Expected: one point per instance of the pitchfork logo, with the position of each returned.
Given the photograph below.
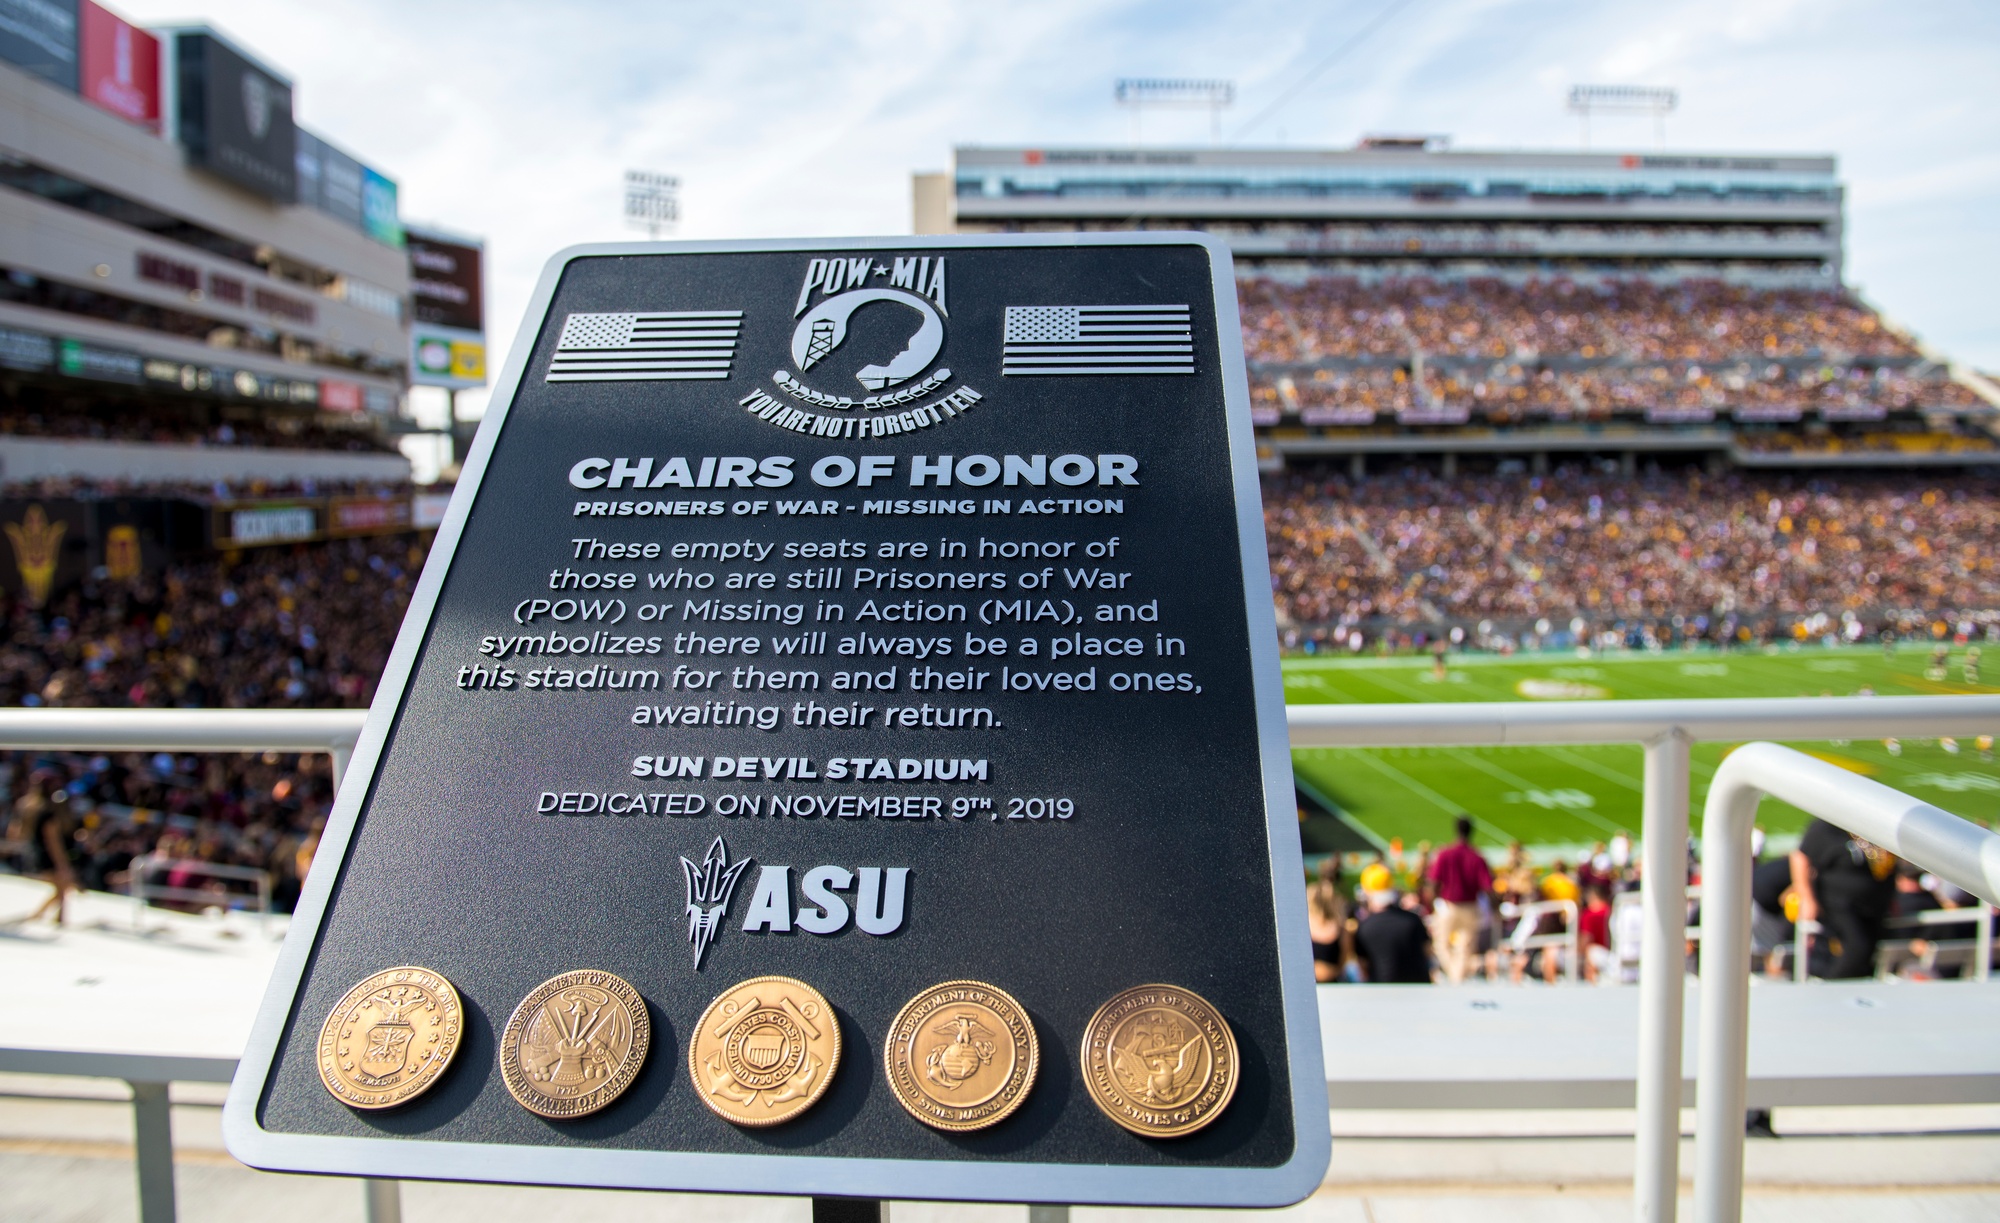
(709, 887)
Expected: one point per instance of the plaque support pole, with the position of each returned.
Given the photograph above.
(153, 1150)
(384, 1200)
(850, 1210)
(1048, 1214)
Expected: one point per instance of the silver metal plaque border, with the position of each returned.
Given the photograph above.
(818, 1175)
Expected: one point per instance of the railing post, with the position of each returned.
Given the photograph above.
(1662, 966)
(341, 755)
(1723, 1070)
(153, 1151)
(1982, 945)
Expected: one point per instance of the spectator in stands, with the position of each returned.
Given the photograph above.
(1558, 884)
(1594, 933)
(1770, 927)
(50, 831)
(1912, 900)
(1327, 924)
(1463, 882)
(1846, 885)
(1391, 944)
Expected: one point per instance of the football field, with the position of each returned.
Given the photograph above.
(1559, 800)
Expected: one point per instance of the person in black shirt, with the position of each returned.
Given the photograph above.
(1846, 885)
(1770, 929)
(1393, 944)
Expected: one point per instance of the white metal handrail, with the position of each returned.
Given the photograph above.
(143, 892)
(1936, 840)
(1665, 729)
(1528, 937)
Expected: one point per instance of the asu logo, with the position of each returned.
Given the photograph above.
(880, 322)
(37, 550)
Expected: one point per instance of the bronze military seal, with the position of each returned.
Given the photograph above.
(961, 1055)
(764, 1051)
(575, 1044)
(390, 1038)
(1160, 1061)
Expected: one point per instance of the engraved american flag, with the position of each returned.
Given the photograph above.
(661, 345)
(1097, 340)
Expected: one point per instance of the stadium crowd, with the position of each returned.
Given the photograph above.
(1580, 542)
(150, 428)
(1450, 915)
(1562, 350)
(285, 628)
(1693, 320)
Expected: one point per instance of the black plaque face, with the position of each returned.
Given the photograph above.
(936, 564)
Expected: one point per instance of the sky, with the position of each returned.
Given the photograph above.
(515, 121)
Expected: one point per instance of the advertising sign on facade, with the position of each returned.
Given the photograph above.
(378, 208)
(119, 66)
(40, 36)
(26, 350)
(454, 359)
(234, 117)
(240, 526)
(79, 359)
(427, 509)
(336, 395)
(446, 282)
(904, 728)
(367, 515)
(329, 179)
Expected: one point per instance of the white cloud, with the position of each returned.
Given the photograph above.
(515, 120)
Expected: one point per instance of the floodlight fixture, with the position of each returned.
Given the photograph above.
(1642, 99)
(652, 201)
(1655, 100)
(1175, 93)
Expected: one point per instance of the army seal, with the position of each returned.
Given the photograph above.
(764, 1051)
(390, 1038)
(575, 1044)
(961, 1056)
(1160, 1061)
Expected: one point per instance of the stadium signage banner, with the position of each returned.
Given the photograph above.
(235, 119)
(53, 544)
(836, 747)
(41, 36)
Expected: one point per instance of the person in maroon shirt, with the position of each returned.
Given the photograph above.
(1593, 930)
(1463, 879)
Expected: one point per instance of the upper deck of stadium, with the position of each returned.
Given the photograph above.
(1400, 206)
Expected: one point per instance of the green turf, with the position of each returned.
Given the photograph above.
(1560, 799)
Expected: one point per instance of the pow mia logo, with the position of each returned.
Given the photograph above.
(878, 321)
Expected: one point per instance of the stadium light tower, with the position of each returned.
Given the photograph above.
(1584, 100)
(1138, 93)
(652, 201)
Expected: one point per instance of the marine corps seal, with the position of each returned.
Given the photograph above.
(961, 1055)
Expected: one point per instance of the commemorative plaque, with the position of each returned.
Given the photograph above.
(836, 746)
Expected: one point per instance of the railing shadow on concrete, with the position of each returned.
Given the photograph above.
(1664, 729)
